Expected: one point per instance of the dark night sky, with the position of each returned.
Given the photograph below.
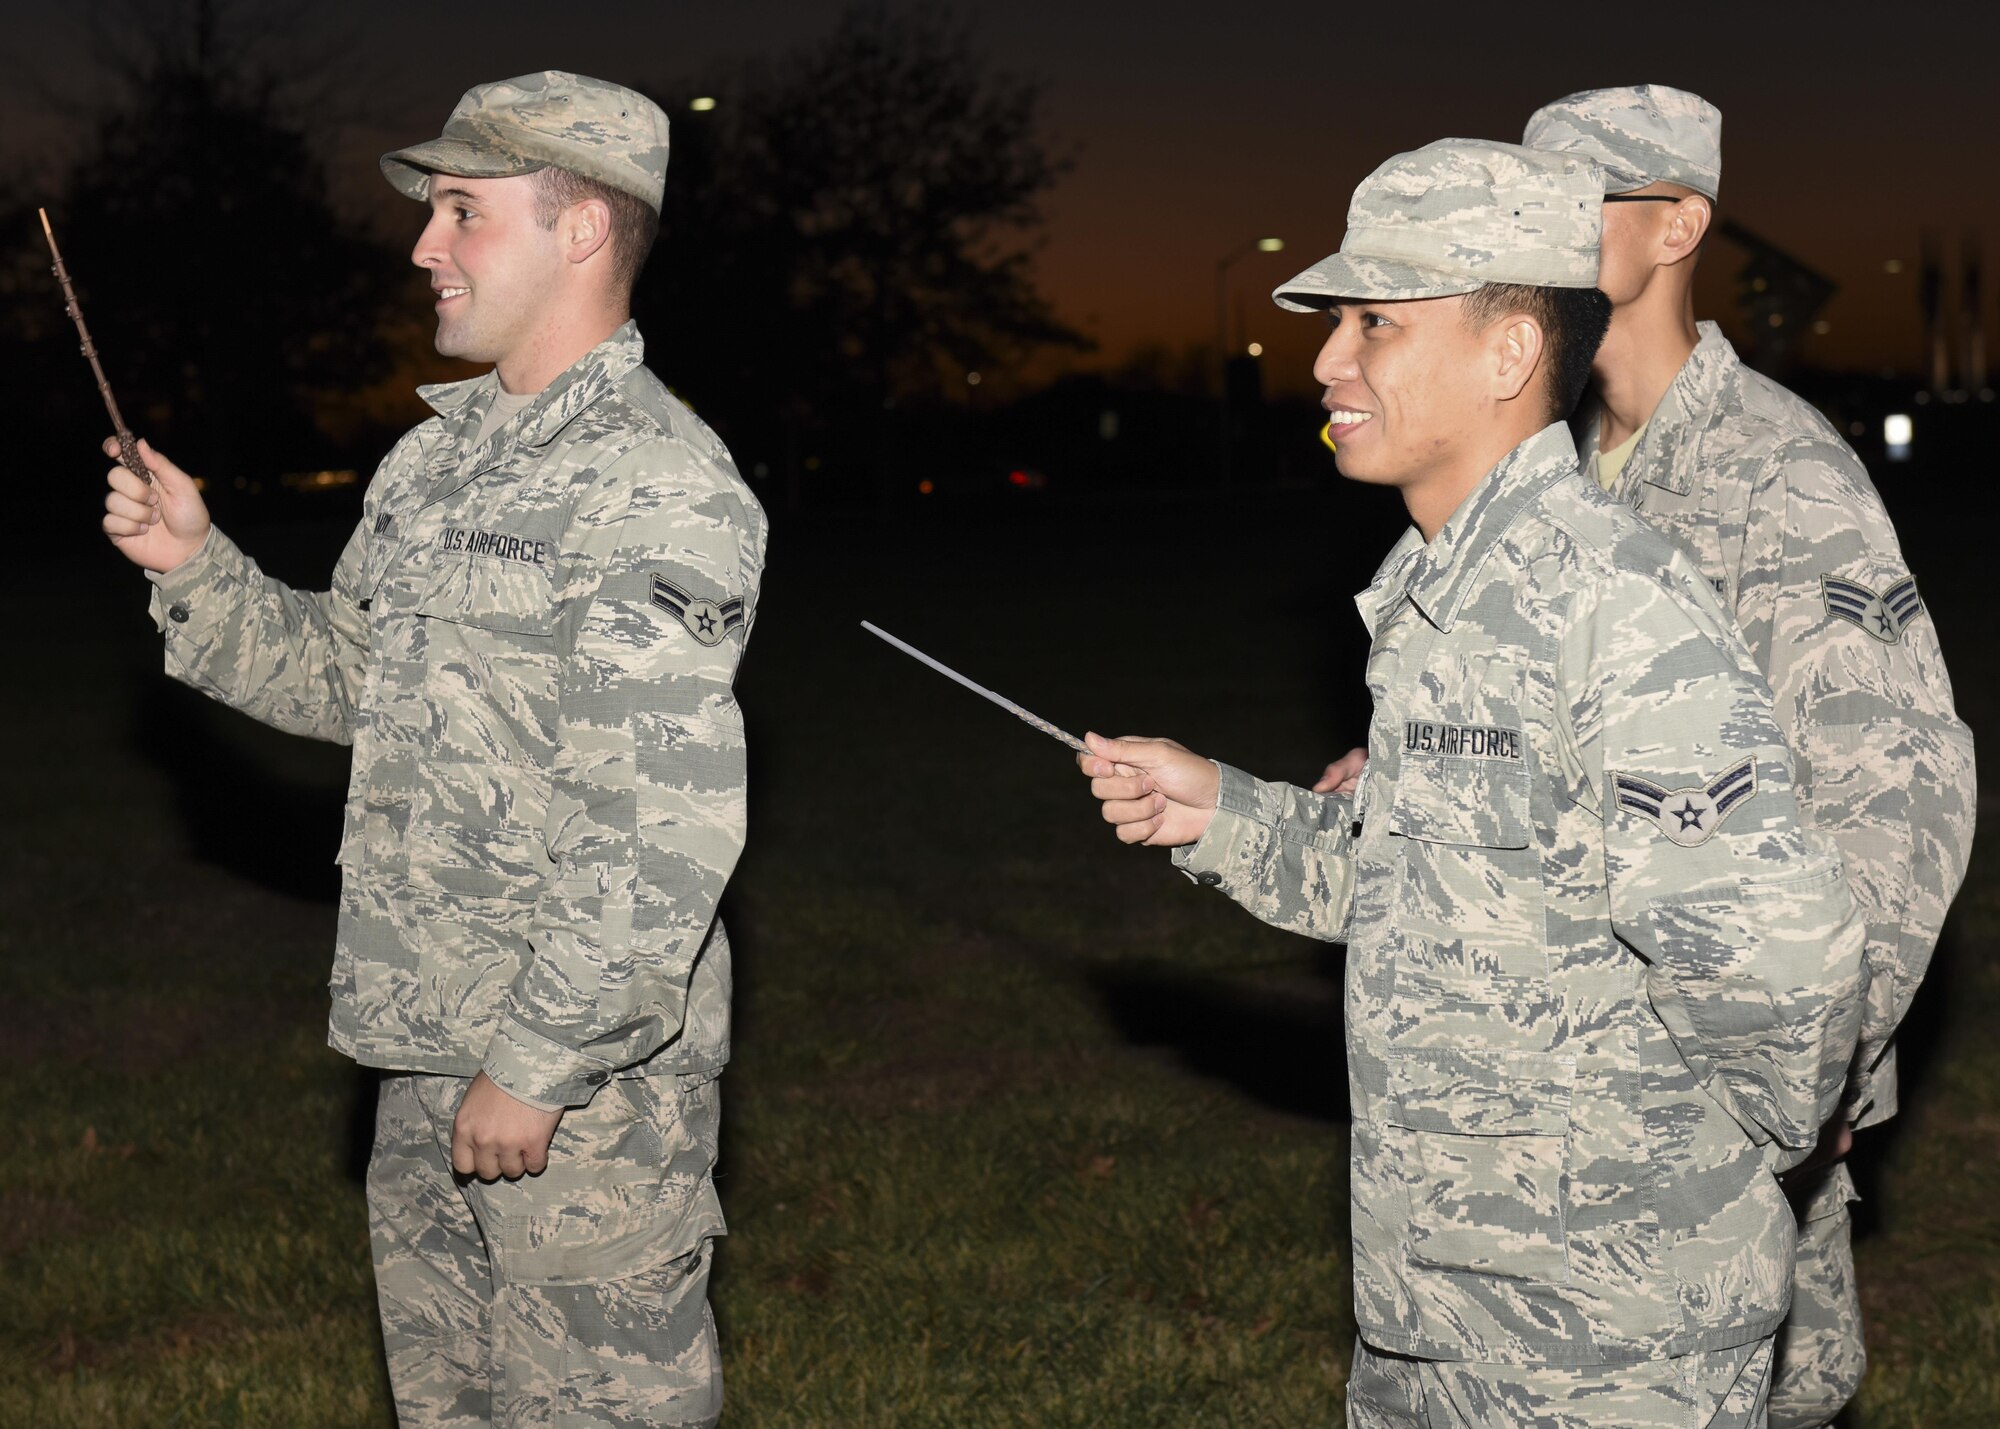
(1848, 128)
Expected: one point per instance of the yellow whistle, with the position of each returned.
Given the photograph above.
(1326, 437)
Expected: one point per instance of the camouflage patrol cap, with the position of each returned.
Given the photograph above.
(1639, 134)
(602, 131)
(1456, 215)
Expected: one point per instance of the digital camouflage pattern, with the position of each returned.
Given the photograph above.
(1821, 1352)
(1577, 1048)
(1637, 134)
(548, 785)
(577, 1297)
(1713, 1389)
(1781, 518)
(1456, 215)
(602, 131)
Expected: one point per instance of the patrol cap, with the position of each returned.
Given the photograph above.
(602, 131)
(1639, 134)
(1456, 215)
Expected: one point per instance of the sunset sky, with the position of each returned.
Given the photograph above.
(1847, 130)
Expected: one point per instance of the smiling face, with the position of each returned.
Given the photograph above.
(1404, 387)
(496, 273)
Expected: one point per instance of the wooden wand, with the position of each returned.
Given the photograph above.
(128, 446)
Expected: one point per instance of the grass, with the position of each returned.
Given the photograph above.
(1021, 1128)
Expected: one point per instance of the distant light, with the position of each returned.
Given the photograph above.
(1017, 478)
(1270, 245)
(1777, 319)
(1256, 349)
(701, 105)
(1986, 394)
(812, 463)
(1107, 424)
(1897, 429)
(1923, 399)
(1758, 285)
(1822, 327)
(1857, 429)
(926, 486)
(973, 379)
(760, 471)
(1894, 265)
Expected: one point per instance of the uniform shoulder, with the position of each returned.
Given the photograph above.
(670, 438)
(1788, 438)
(1595, 535)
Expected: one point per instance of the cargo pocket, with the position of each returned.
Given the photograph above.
(1489, 1133)
(1470, 895)
(629, 1188)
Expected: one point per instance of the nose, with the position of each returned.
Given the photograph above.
(1335, 362)
(429, 251)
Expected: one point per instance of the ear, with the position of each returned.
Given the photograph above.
(1516, 345)
(1685, 229)
(585, 228)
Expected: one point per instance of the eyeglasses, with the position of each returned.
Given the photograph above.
(1641, 198)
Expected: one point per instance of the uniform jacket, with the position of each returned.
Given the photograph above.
(530, 645)
(1781, 518)
(1601, 981)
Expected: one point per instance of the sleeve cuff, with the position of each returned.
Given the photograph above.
(1211, 859)
(197, 595)
(541, 1072)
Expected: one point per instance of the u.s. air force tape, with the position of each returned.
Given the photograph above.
(706, 620)
(1463, 741)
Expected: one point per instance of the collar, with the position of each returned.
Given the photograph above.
(1668, 454)
(463, 404)
(1437, 577)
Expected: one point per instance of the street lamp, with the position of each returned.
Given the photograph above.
(1222, 266)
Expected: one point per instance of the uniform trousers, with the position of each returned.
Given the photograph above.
(577, 1297)
(1713, 1389)
(1821, 1353)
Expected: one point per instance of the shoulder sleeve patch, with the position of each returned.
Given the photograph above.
(706, 620)
(1686, 816)
(1885, 616)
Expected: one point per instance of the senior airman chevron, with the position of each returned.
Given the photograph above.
(1884, 616)
(1687, 816)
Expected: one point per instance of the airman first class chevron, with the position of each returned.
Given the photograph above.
(1687, 816)
(705, 620)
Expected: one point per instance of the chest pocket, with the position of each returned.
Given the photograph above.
(514, 597)
(1469, 899)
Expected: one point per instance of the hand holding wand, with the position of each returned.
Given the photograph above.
(128, 446)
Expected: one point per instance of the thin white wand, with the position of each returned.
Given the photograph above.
(1001, 700)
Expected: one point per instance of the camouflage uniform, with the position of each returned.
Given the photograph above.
(1601, 983)
(1780, 517)
(530, 641)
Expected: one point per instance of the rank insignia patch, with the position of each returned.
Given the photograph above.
(705, 620)
(1885, 616)
(1687, 816)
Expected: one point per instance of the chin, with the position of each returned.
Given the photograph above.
(1359, 468)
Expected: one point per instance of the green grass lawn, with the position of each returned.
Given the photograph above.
(1022, 1129)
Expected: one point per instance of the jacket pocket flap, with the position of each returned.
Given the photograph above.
(1462, 801)
(1481, 1093)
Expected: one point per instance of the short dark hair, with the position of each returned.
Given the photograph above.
(1572, 320)
(634, 224)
